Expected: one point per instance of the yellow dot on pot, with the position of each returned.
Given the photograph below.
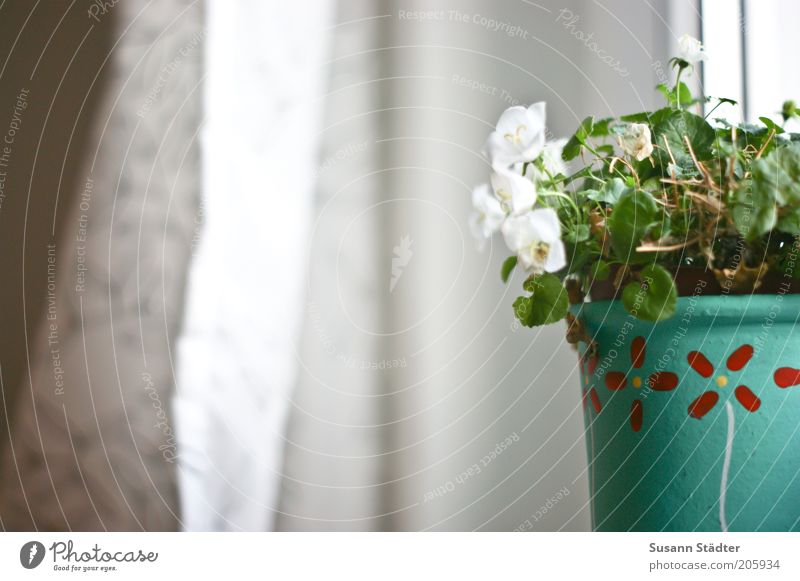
(722, 381)
(637, 382)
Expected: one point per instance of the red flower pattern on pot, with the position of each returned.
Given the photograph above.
(736, 362)
(658, 381)
(588, 366)
(787, 377)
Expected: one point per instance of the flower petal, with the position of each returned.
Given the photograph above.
(513, 190)
(637, 352)
(747, 398)
(488, 215)
(700, 364)
(703, 404)
(637, 415)
(552, 160)
(740, 357)
(615, 380)
(557, 258)
(546, 223)
(537, 113)
(518, 232)
(500, 153)
(519, 136)
(691, 50)
(512, 118)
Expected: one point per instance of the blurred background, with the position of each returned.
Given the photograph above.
(240, 288)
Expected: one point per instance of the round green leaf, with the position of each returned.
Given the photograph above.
(629, 222)
(653, 297)
(547, 304)
(600, 270)
(675, 127)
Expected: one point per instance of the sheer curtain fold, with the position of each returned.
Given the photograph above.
(236, 369)
(412, 369)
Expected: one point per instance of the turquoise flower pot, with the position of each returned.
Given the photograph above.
(693, 423)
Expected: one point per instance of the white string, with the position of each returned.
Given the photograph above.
(726, 466)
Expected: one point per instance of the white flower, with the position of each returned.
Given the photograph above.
(487, 215)
(517, 194)
(551, 159)
(636, 141)
(536, 239)
(518, 137)
(691, 50)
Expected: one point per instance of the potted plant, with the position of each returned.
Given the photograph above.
(672, 252)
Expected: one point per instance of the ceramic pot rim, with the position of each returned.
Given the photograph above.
(783, 308)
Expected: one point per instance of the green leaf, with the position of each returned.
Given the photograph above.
(600, 127)
(508, 266)
(675, 127)
(628, 223)
(642, 117)
(578, 234)
(679, 63)
(771, 125)
(775, 183)
(547, 304)
(649, 117)
(600, 270)
(610, 193)
(680, 95)
(788, 110)
(755, 221)
(661, 227)
(573, 146)
(779, 175)
(790, 222)
(652, 298)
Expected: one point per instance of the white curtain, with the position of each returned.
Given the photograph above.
(236, 368)
(413, 374)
